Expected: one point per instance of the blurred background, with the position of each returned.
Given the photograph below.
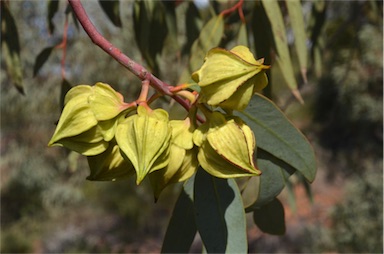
(47, 205)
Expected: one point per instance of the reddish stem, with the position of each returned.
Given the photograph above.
(233, 8)
(124, 60)
(63, 46)
(144, 92)
(241, 14)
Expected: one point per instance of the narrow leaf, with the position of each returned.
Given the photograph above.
(291, 196)
(263, 41)
(270, 218)
(52, 7)
(41, 58)
(307, 187)
(242, 36)
(150, 30)
(210, 37)
(193, 25)
(181, 229)
(275, 16)
(11, 47)
(68, 10)
(317, 61)
(112, 9)
(171, 22)
(159, 29)
(276, 135)
(297, 23)
(65, 87)
(220, 216)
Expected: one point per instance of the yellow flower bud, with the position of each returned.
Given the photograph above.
(182, 157)
(109, 165)
(226, 147)
(89, 143)
(89, 118)
(105, 102)
(144, 140)
(77, 117)
(228, 79)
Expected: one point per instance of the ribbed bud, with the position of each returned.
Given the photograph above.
(182, 157)
(226, 147)
(89, 118)
(144, 140)
(229, 78)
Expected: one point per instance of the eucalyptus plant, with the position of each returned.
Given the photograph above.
(234, 150)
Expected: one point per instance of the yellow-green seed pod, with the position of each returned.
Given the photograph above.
(226, 147)
(89, 143)
(109, 165)
(182, 133)
(105, 102)
(76, 118)
(182, 157)
(89, 118)
(227, 78)
(144, 139)
(176, 171)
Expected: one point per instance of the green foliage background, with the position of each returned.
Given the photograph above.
(48, 206)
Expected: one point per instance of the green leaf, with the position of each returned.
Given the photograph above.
(193, 25)
(220, 216)
(171, 22)
(283, 60)
(52, 7)
(273, 179)
(150, 30)
(11, 47)
(41, 58)
(242, 36)
(317, 61)
(210, 37)
(297, 23)
(181, 229)
(111, 8)
(276, 135)
(141, 24)
(65, 87)
(291, 196)
(270, 218)
(263, 41)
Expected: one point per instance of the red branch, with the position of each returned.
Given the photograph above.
(63, 46)
(237, 7)
(124, 60)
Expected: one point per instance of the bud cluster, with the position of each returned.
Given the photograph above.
(124, 139)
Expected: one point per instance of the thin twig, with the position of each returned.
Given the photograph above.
(63, 46)
(233, 8)
(137, 69)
